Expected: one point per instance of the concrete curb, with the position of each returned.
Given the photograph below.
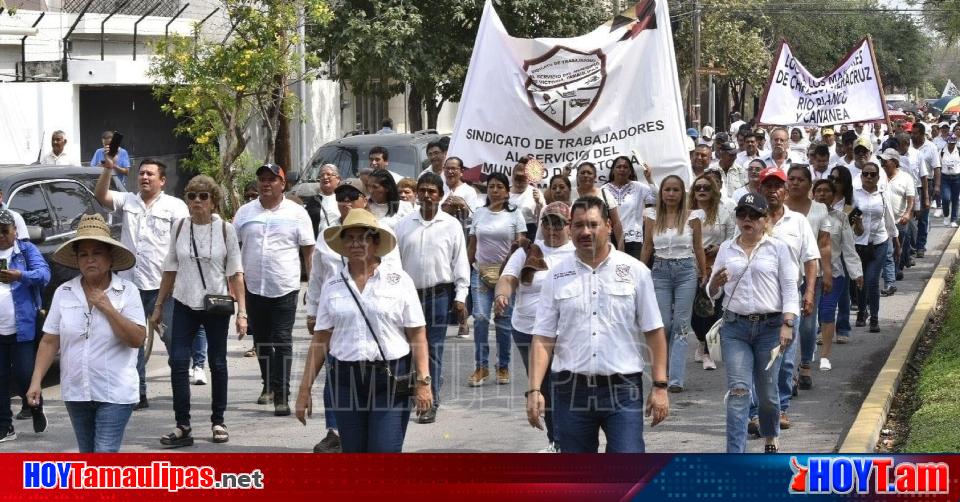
(865, 431)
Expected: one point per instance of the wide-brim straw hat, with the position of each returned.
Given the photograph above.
(360, 218)
(93, 228)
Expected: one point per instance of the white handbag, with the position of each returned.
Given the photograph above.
(713, 335)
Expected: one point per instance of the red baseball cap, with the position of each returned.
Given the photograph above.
(773, 172)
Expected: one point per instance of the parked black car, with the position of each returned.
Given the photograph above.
(408, 157)
(51, 200)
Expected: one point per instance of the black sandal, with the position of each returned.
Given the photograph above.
(770, 448)
(220, 434)
(181, 436)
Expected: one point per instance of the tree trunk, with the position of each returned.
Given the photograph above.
(414, 107)
(433, 111)
(282, 154)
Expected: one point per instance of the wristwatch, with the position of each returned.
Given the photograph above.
(425, 380)
(660, 384)
(788, 323)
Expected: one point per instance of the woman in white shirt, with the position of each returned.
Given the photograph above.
(96, 322)
(526, 197)
(845, 266)
(495, 227)
(672, 234)
(384, 201)
(370, 321)
(718, 225)
(757, 276)
(875, 228)
(524, 275)
(586, 185)
(632, 197)
(204, 259)
(559, 189)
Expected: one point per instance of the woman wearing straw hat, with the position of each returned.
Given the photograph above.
(96, 321)
(372, 324)
(204, 252)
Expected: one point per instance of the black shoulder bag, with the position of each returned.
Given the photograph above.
(402, 384)
(212, 304)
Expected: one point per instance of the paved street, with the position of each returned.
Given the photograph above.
(492, 418)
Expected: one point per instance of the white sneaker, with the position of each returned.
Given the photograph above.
(825, 364)
(199, 376)
(953, 224)
(551, 448)
(698, 354)
(708, 363)
(946, 222)
(937, 212)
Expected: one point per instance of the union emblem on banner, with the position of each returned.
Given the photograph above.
(563, 85)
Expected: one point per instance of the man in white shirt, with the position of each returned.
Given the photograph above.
(901, 193)
(437, 154)
(734, 175)
(910, 163)
(792, 228)
(819, 162)
(950, 181)
(148, 220)
(700, 159)
(379, 158)
(736, 124)
(433, 252)
(58, 154)
(829, 138)
(930, 158)
(592, 306)
(780, 155)
(944, 132)
(275, 234)
(459, 200)
(750, 150)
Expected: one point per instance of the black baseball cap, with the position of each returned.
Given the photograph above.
(755, 201)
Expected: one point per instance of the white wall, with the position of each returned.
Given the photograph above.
(30, 112)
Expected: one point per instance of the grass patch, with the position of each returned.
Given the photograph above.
(935, 426)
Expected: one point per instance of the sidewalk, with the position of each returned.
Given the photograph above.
(492, 418)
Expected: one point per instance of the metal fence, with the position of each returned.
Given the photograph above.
(167, 8)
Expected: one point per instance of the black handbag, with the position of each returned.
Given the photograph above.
(403, 385)
(212, 304)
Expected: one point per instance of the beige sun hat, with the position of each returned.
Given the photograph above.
(93, 228)
(360, 218)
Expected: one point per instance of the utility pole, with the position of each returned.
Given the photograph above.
(695, 101)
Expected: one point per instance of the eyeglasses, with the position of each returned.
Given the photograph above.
(866, 174)
(201, 195)
(348, 196)
(552, 224)
(749, 214)
(701, 188)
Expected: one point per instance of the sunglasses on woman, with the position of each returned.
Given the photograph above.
(749, 214)
(201, 195)
(701, 188)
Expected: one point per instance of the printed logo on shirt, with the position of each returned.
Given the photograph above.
(564, 274)
(393, 279)
(623, 273)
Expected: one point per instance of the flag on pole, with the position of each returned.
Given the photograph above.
(950, 90)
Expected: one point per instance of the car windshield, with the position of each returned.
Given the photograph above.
(348, 159)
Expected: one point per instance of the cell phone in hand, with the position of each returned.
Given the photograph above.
(3, 263)
(115, 143)
(856, 213)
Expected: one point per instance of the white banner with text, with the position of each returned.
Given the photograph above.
(852, 92)
(567, 101)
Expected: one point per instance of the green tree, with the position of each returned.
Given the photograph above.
(218, 89)
(378, 47)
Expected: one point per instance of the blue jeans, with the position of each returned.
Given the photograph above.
(183, 337)
(148, 297)
(746, 347)
(923, 222)
(482, 308)
(843, 311)
(581, 411)
(16, 366)
(371, 418)
(98, 426)
(828, 302)
(889, 269)
(950, 194)
(329, 417)
(808, 325)
(271, 323)
(436, 309)
(675, 284)
(523, 341)
(872, 258)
